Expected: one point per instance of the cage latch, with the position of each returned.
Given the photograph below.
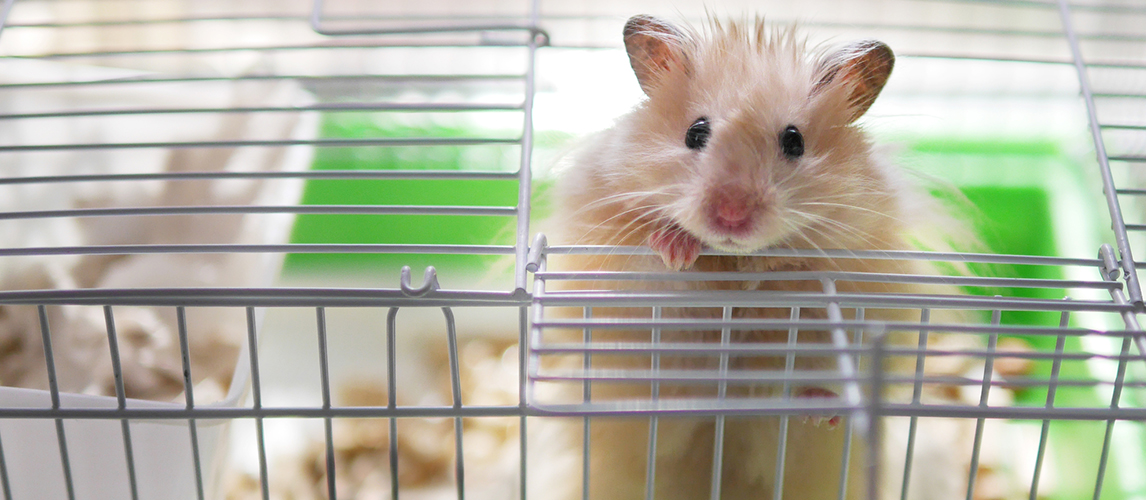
(429, 282)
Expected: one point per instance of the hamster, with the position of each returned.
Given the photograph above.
(747, 141)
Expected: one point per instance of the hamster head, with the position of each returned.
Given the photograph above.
(746, 141)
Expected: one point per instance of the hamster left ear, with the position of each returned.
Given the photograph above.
(863, 67)
(654, 48)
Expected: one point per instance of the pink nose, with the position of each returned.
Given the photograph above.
(732, 210)
(732, 213)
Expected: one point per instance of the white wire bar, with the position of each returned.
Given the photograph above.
(4, 487)
(189, 392)
(257, 401)
(327, 423)
(54, 392)
(437, 25)
(916, 393)
(392, 395)
(654, 422)
(1060, 344)
(121, 400)
(587, 397)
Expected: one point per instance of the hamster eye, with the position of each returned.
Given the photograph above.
(792, 142)
(697, 135)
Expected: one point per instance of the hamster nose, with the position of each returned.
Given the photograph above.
(730, 213)
(732, 210)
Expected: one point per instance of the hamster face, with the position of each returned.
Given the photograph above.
(745, 161)
(746, 141)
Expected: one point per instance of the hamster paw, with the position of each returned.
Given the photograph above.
(677, 248)
(833, 421)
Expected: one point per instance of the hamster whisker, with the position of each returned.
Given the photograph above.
(637, 196)
(619, 197)
(847, 229)
(843, 229)
(860, 192)
(840, 227)
(801, 230)
(791, 175)
(820, 231)
(812, 243)
(626, 231)
(615, 216)
(856, 187)
(620, 234)
(850, 207)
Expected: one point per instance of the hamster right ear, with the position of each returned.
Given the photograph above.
(863, 67)
(655, 48)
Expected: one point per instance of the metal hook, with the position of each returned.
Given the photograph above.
(429, 282)
(533, 262)
(1110, 267)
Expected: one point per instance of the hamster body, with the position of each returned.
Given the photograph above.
(746, 141)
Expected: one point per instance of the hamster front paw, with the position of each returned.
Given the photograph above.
(833, 421)
(677, 247)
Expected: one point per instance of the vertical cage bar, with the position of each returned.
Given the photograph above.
(530, 334)
(257, 401)
(113, 347)
(528, 337)
(4, 14)
(721, 391)
(525, 171)
(782, 433)
(985, 392)
(392, 395)
(522, 347)
(1052, 387)
(49, 357)
(586, 396)
(916, 394)
(121, 400)
(4, 487)
(327, 422)
(1118, 224)
(54, 390)
(654, 421)
(456, 387)
(847, 367)
(188, 386)
(1115, 397)
(316, 16)
(51, 371)
(869, 421)
(849, 428)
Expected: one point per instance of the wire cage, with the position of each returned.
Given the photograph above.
(213, 215)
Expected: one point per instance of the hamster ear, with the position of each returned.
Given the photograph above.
(654, 48)
(863, 67)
